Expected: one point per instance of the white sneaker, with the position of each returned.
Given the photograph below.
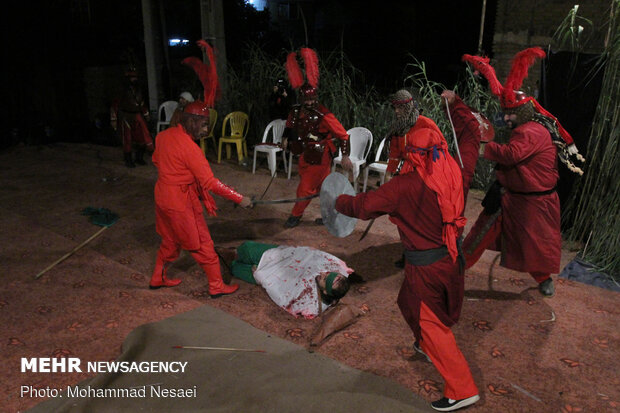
(448, 405)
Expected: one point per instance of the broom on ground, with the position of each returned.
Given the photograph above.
(98, 216)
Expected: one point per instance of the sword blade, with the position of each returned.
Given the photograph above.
(456, 142)
(372, 221)
(268, 185)
(283, 201)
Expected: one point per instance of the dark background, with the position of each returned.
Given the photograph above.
(48, 44)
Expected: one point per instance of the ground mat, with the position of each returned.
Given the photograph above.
(284, 378)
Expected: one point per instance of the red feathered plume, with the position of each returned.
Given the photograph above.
(520, 66)
(295, 76)
(207, 73)
(311, 62)
(481, 64)
(213, 89)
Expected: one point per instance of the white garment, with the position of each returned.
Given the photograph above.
(288, 275)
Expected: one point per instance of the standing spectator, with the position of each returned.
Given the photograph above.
(279, 101)
(132, 116)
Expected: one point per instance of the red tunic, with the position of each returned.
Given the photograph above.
(414, 208)
(312, 176)
(184, 174)
(530, 234)
(133, 127)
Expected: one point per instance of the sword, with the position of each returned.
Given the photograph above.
(372, 221)
(268, 185)
(282, 201)
(456, 142)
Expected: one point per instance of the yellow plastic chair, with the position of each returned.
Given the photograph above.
(212, 121)
(238, 123)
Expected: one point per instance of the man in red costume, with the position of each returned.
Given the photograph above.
(185, 178)
(425, 201)
(132, 115)
(470, 127)
(522, 211)
(311, 130)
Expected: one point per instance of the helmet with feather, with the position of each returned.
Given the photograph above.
(514, 101)
(207, 74)
(308, 88)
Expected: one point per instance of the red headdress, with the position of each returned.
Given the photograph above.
(295, 75)
(207, 74)
(510, 97)
(508, 94)
(426, 151)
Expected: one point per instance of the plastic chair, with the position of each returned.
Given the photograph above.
(377, 166)
(276, 129)
(239, 124)
(212, 121)
(164, 114)
(290, 164)
(360, 140)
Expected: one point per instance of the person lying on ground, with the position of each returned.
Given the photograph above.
(302, 280)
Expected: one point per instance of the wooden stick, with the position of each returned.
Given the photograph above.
(67, 255)
(219, 348)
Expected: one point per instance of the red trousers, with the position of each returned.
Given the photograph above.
(486, 234)
(170, 228)
(136, 132)
(439, 344)
(311, 179)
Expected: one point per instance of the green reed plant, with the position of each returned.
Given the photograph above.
(428, 93)
(595, 200)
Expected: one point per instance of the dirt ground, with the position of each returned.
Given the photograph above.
(527, 353)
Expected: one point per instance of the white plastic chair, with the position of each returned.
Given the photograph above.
(275, 128)
(164, 114)
(376, 166)
(360, 140)
(290, 164)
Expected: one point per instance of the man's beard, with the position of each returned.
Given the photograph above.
(401, 124)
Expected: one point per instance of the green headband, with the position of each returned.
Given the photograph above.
(329, 281)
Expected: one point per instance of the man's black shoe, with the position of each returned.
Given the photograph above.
(448, 405)
(547, 288)
(129, 161)
(416, 347)
(318, 221)
(292, 222)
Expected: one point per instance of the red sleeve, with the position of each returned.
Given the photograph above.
(518, 148)
(199, 166)
(371, 204)
(334, 126)
(226, 191)
(464, 120)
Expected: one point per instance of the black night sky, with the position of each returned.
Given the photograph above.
(48, 44)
